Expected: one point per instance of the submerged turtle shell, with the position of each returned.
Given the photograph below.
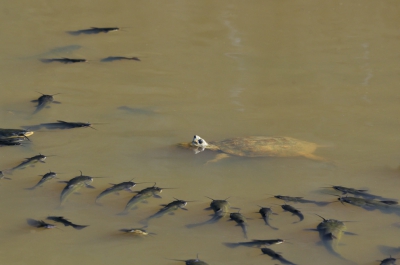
(258, 146)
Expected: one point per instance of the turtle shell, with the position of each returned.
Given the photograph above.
(258, 146)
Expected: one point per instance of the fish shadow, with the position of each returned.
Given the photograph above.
(388, 251)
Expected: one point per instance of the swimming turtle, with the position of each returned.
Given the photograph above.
(256, 146)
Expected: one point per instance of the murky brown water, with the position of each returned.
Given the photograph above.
(321, 72)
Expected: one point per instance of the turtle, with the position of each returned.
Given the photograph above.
(256, 146)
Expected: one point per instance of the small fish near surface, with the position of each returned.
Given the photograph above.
(74, 184)
(330, 232)
(6, 134)
(241, 221)
(359, 193)
(46, 177)
(64, 60)
(220, 208)
(195, 261)
(141, 196)
(61, 125)
(65, 222)
(44, 101)
(93, 30)
(31, 161)
(294, 211)
(39, 224)
(11, 141)
(127, 185)
(119, 58)
(300, 200)
(370, 205)
(168, 208)
(256, 243)
(275, 255)
(265, 213)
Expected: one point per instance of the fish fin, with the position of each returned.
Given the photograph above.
(89, 186)
(163, 205)
(62, 181)
(171, 213)
(185, 209)
(157, 196)
(57, 102)
(35, 100)
(350, 233)
(208, 208)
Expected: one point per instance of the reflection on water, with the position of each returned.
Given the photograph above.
(325, 73)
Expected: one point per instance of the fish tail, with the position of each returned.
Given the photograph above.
(79, 227)
(244, 228)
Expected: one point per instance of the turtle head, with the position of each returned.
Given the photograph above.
(200, 143)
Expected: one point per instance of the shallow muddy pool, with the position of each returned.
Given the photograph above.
(326, 73)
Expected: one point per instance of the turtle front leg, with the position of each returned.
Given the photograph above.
(218, 157)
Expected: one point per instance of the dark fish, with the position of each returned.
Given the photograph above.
(168, 208)
(39, 224)
(265, 213)
(330, 232)
(117, 187)
(11, 141)
(193, 261)
(64, 221)
(60, 125)
(294, 211)
(360, 193)
(241, 221)
(256, 243)
(388, 261)
(48, 176)
(63, 60)
(141, 196)
(93, 30)
(29, 162)
(370, 205)
(44, 101)
(300, 199)
(75, 184)
(14, 133)
(119, 58)
(220, 208)
(275, 255)
(137, 231)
